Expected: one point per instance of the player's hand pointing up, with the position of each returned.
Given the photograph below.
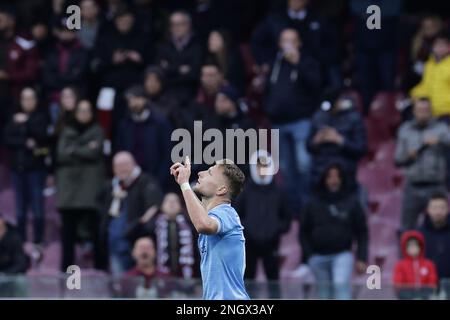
(181, 172)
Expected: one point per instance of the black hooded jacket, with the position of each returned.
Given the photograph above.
(13, 259)
(331, 221)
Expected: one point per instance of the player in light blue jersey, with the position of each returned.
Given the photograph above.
(221, 241)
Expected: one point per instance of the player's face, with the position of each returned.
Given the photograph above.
(210, 181)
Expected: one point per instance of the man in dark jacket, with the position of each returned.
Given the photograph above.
(181, 57)
(146, 134)
(421, 149)
(329, 224)
(12, 257)
(436, 230)
(129, 201)
(66, 65)
(265, 217)
(292, 98)
(318, 37)
(337, 135)
(120, 54)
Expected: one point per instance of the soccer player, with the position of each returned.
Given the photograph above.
(221, 241)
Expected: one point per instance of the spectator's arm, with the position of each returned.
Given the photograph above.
(310, 145)
(91, 151)
(422, 89)
(360, 232)
(152, 195)
(402, 157)
(65, 148)
(398, 276)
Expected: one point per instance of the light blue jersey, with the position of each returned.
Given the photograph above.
(223, 257)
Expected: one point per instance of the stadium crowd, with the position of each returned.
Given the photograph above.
(89, 114)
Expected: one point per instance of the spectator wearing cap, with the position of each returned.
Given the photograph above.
(162, 102)
(26, 138)
(421, 149)
(181, 56)
(264, 212)
(12, 257)
(291, 100)
(66, 64)
(318, 35)
(19, 62)
(146, 134)
(121, 53)
(79, 178)
(337, 135)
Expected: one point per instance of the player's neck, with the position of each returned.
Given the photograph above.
(210, 203)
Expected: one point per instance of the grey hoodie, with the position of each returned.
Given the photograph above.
(430, 164)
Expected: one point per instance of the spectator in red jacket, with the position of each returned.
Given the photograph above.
(414, 272)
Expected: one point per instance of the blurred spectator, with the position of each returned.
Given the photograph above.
(129, 201)
(42, 37)
(121, 53)
(211, 81)
(79, 178)
(181, 57)
(329, 224)
(436, 230)
(227, 56)
(292, 94)
(435, 83)
(414, 272)
(90, 21)
(64, 114)
(421, 147)
(12, 257)
(175, 240)
(144, 255)
(146, 134)
(264, 213)
(337, 135)
(26, 137)
(375, 49)
(66, 65)
(318, 38)
(228, 113)
(421, 48)
(19, 60)
(163, 103)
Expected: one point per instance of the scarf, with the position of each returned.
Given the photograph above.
(185, 263)
(119, 191)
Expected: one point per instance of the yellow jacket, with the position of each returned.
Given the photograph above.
(435, 85)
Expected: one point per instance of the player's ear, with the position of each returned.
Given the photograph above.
(222, 190)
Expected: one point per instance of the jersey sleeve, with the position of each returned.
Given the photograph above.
(225, 223)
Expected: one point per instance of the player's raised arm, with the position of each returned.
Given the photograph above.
(197, 213)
